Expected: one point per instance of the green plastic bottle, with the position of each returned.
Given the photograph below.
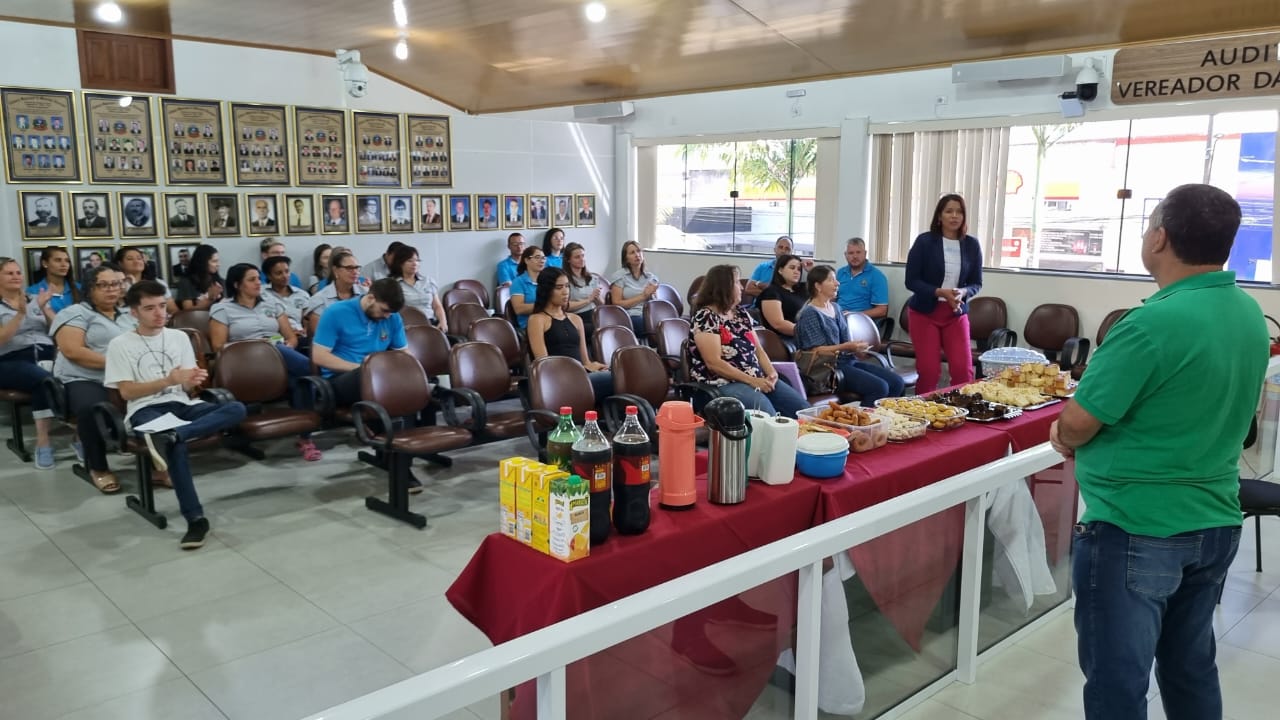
(560, 441)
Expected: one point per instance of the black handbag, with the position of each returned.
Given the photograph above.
(818, 372)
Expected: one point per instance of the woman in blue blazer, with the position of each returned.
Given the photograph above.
(944, 270)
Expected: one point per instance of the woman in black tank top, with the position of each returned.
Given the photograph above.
(552, 331)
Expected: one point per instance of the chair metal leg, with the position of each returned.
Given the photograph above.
(17, 444)
(144, 503)
(397, 503)
(1257, 540)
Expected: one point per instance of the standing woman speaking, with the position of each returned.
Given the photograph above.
(944, 270)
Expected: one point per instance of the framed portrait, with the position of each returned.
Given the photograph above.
(369, 213)
(181, 215)
(562, 211)
(137, 214)
(31, 255)
(513, 211)
(537, 212)
(430, 150)
(88, 257)
(430, 213)
(333, 214)
(586, 211)
(260, 136)
(375, 140)
(193, 141)
(42, 217)
(119, 139)
(223, 213)
(399, 211)
(300, 214)
(320, 149)
(177, 258)
(41, 138)
(151, 252)
(262, 214)
(92, 213)
(460, 212)
(487, 209)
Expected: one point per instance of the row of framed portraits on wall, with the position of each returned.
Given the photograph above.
(167, 261)
(209, 142)
(141, 214)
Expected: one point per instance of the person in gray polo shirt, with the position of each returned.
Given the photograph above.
(276, 270)
(82, 333)
(345, 273)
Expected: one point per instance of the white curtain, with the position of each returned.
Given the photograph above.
(910, 171)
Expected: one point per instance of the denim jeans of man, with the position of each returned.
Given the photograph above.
(1141, 599)
(203, 419)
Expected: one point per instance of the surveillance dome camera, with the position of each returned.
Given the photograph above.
(354, 72)
(1087, 82)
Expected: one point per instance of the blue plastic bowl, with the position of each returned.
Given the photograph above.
(821, 466)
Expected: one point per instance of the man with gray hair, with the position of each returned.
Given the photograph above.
(863, 288)
(763, 274)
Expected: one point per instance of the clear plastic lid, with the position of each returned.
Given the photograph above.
(1013, 355)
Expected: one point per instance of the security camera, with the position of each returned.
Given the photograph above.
(354, 72)
(1087, 82)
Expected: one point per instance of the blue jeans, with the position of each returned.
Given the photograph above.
(784, 399)
(299, 365)
(870, 381)
(203, 419)
(601, 384)
(1140, 599)
(19, 371)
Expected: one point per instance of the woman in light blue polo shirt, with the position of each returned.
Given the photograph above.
(552, 247)
(632, 286)
(524, 289)
(57, 275)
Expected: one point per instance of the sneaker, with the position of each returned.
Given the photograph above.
(196, 530)
(158, 445)
(44, 457)
(415, 485)
(78, 447)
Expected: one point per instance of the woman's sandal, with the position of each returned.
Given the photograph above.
(160, 479)
(105, 482)
(309, 451)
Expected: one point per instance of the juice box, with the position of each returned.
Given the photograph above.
(524, 501)
(570, 519)
(540, 507)
(509, 471)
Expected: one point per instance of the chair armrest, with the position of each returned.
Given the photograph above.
(362, 429)
(1074, 353)
(698, 394)
(322, 396)
(455, 339)
(886, 325)
(537, 437)
(614, 408)
(450, 398)
(1002, 337)
(110, 425)
(884, 360)
(218, 396)
(57, 393)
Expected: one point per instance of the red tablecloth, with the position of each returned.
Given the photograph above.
(508, 590)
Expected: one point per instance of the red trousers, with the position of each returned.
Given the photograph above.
(933, 333)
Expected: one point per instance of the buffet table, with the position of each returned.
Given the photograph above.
(508, 590)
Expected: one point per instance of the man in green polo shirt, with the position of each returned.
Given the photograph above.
(1156, 429)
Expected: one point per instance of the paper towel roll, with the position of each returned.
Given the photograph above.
(778, 465)
(758, 443)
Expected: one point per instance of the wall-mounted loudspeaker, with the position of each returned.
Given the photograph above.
(1032, 68)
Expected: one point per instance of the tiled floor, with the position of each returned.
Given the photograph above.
(303, 598)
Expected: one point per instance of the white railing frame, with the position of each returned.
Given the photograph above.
(544, 654)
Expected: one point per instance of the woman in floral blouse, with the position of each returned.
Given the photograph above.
(725, 353)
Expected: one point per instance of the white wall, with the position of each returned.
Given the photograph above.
(491, 154)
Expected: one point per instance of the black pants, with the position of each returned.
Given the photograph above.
(346, 388)
(82, 395)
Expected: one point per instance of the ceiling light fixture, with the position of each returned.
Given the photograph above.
(110, 12)
(401, 14)
(125, 100)
(402, 49)
(595, 11)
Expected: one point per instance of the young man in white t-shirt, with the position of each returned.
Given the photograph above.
(154, 368)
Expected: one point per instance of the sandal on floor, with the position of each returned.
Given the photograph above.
(105, 482)
(160, 478)
(309, 451)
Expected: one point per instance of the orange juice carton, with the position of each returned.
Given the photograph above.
(570, 518)
(540, 509)
(524, 501)
(509, 471)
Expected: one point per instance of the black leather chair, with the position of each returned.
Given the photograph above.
(16, 400)
(1258, 498)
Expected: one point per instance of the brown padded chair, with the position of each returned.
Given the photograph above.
(500, 298)
(195, 319)
(16, 400)
(654, 312)
(774, 346)
(606, 315)
(458, 295)
(639, 379)
(412, 316)
(671, 295)
(478, 375)
(555, 381)
(499, 332)
(608, 340)
(393, 391)
(1054, 329)
(429, 345)
(462, 315)
(1111, 319)
(672, 335)
(476, 287)
(863, 329)
(254, 373)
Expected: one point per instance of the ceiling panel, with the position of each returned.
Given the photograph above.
(496, 55)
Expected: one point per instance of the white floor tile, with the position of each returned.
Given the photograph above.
(1017, 684)
(384, 580)
(1259, 630)
(16, 531)
(230, 628)
(187, 580)
(301, 678)
(1057, 639)
(35, 569)
(423, 636)
(173, 700)
(307, 542)
(35, 621)
(80, 673)
(1248, 683)
(933, 710)
(123, 542)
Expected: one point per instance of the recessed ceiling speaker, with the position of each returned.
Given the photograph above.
(603, 111)
(1031, 68)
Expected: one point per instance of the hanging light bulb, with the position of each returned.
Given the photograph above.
(595, 11)
(402, 49)
(401, 14)
(110, 12)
